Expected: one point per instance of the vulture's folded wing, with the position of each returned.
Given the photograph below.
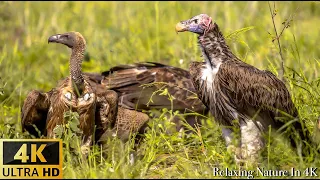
(250, 86)
(34, 112)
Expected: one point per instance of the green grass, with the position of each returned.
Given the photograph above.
(127, 32)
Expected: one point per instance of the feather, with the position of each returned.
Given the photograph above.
(235, 90)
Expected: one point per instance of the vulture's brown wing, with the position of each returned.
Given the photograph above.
(128, 81)
(249, 86)
(34, 112)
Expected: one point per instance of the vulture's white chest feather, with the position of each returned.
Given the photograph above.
(208, 74)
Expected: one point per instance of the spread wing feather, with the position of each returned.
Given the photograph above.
(127, 80)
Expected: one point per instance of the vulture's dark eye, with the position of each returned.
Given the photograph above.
(195, 21)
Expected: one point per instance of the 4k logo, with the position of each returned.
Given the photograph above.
(22, 153)
(34, 158)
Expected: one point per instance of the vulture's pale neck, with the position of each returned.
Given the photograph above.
(214, 47)
(77, 56)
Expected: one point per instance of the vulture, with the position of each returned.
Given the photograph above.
(96, 105)
(240, 95)
(137, 83)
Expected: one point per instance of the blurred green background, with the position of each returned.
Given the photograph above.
(127, 32)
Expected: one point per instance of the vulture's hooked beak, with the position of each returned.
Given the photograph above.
(181, 26)
(54, 38)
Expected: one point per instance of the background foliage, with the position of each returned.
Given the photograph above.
(127, 32)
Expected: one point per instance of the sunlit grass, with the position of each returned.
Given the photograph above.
(127, 32)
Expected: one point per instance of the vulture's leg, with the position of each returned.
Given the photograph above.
(252, 131)
(227, 135)
(34, 112)
(85, 146)
(251, 140)
(232, 146)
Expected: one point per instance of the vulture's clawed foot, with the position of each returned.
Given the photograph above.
(236, 152)
(85, 151)
(85, 147)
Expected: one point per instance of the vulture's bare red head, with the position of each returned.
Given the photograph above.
(199, 24)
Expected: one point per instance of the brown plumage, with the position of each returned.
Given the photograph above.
(95, 104)
(128, 81)
(233, 89)
(128, 122)
(34, 112)
(76, 92)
